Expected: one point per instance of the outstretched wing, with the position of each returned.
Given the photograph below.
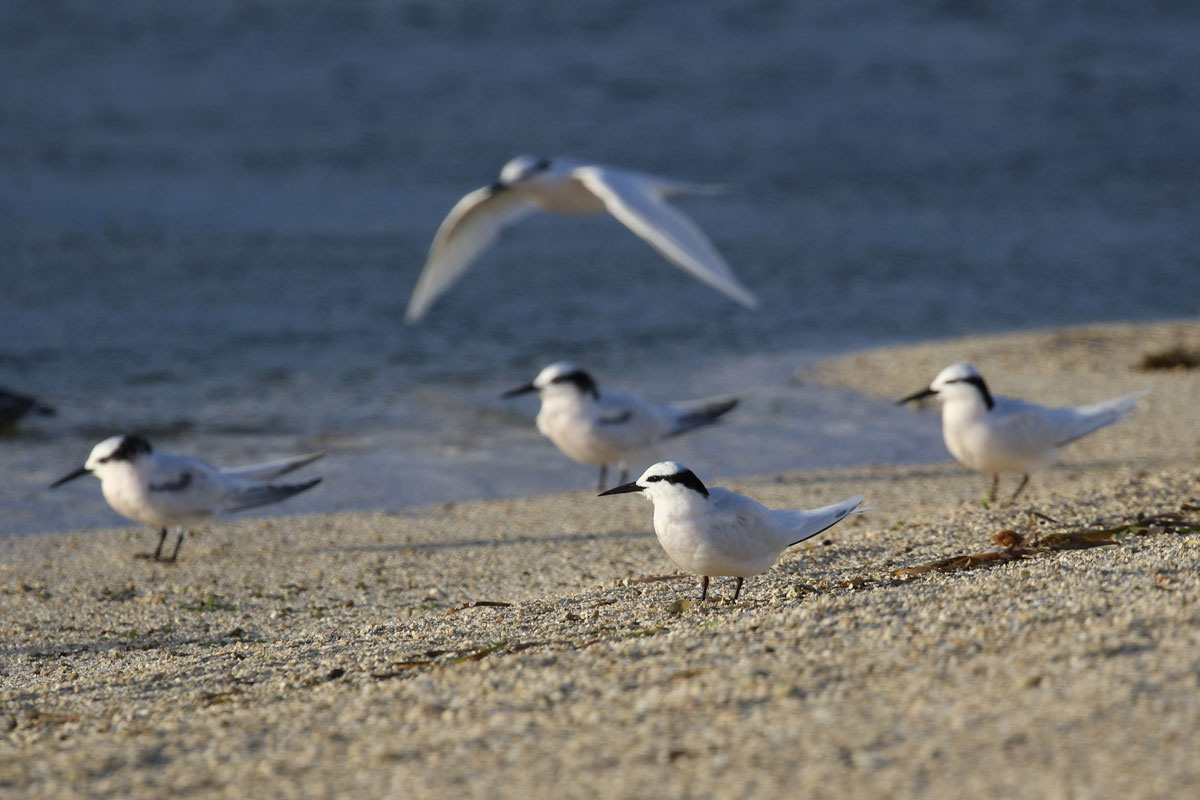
(637, 201)
(473, 224)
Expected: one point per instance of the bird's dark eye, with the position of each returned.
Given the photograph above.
(653, 478)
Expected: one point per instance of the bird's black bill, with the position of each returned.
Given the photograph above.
(529, 387)
(623, 488)
(77, 473)
(916, 396)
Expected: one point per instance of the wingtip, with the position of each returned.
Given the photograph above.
(416, 309)
(740, 295)
(714, 189)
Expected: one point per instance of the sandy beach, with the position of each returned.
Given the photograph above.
(538, 647)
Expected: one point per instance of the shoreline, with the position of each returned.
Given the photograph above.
(340, 653)
(386, 468)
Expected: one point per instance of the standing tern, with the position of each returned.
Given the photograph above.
(592, 427)
(718, 532)
(164, 489)
(564, 186)
(993, 434)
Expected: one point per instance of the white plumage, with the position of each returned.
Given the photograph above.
(165, 489)
(602, 428)
(993, 434)
(713, 531)
(564, 186)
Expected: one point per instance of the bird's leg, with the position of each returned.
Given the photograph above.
(162, 537)
(991, 495)
(1037, 534)
(703, 588)
(738, 590)
(178, 542)
(603, 475)
(1024, 480)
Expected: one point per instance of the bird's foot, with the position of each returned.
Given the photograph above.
(155, 557)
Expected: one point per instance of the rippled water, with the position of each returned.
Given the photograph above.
(211, 216)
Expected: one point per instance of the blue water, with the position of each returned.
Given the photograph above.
(211, 216)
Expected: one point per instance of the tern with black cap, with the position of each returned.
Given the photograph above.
(602, 428)
(712, 531)
(993, 434)
(165, 489)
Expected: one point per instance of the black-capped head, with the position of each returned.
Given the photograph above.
(663, 477)
(953, 381)
(561, 373)
(113, 450)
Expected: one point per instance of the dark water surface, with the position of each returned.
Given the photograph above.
(211, 216)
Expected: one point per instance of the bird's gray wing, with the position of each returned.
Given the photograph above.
(473, 224)
(269, 470)
(1027, 430)
(1082, 420)
(738, 527)
(637, 201)
(265, 494)
(796, 526)
(628, 422)
(692, 414)
(182, 486)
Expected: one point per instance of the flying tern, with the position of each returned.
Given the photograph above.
(164, 489)
(565, 186)
(713, 531)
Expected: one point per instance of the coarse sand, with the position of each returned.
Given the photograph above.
(546, 647)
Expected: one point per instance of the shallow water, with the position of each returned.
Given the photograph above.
(211, 217)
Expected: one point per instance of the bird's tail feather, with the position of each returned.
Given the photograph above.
(699, 413)
(1099, 415)
(269, 470)
(266, 494)
(807, 524)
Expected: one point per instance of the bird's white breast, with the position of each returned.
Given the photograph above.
(125, 490)
(990, 443)
(569, 420)
(708, 543)
(562, 195)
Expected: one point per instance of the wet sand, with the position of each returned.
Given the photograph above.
(361, 654)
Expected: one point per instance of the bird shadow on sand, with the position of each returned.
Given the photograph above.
(948, 469)
(562, 538)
